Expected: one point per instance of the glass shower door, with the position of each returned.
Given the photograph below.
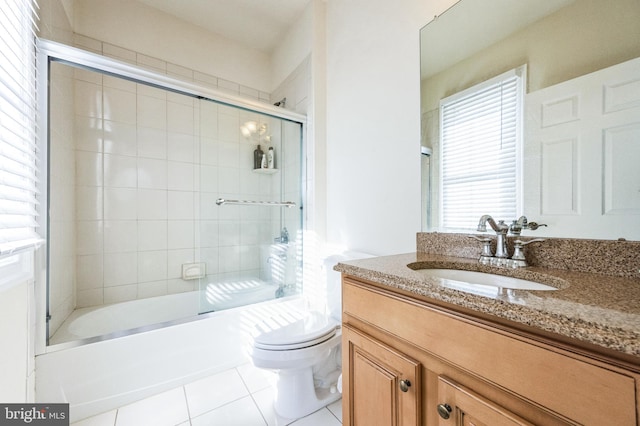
(251, 210)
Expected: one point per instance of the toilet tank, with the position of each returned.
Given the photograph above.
(333, 283)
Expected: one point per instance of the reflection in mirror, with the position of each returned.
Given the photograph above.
(580, 139)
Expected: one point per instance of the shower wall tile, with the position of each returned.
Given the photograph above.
(180, 118)
(181, 147)
(208, 207)
(89, 272)
(228, 125)
(89, 237)
(89, 203)
(179, 71)
(210, 257)
(152, 235)
(177, 285)
(152, 289)
(209, 152)
(119, 171)
(152, 112)
(119, 105)
(119, 83)
(152, 265)
(208, 233)
(120, 204)
(205, 78)
(229, 154)
(88, 99)
(209, 120)
(152, 173)
(248, 91)
(229, 258)
(89, 168)
(249, 257)
(121, 293)
(119, 53)
(180, 205)
(120, 236)
(158, 162)
(93, 297)
(152, 143)
(181, 234)
(120, 138)
(209, 179)
(183, 100)
(229, 180)
(120, 268)
(152, 204)
(229, 233)
(150, 62)
(88, 133)
(146, 90)
(228, 86)
(249, 233)
(175, 259)
(180, 176)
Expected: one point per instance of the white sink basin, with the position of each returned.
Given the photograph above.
(485, 279)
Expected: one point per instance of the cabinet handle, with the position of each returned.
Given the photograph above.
(405, 385)
(444, 410)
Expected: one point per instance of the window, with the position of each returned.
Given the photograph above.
(480, 143)
(18, 184)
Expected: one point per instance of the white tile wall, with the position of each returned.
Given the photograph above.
(147, 166)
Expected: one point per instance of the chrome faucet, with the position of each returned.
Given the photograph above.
(501, 229)
(501, 257)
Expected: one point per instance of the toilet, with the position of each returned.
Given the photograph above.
(305, 352)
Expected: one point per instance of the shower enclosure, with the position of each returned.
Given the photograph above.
(157, 212)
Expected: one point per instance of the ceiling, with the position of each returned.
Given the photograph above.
(259, 24)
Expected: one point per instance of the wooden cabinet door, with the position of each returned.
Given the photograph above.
(458, 406)
(381, 386)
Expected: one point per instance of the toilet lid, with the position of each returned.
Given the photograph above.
(310, 330)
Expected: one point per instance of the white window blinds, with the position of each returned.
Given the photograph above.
(480, 140)
(18, 189)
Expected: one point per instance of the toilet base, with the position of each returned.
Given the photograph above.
(296, 395)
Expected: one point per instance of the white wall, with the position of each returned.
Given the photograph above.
(373, 122)
(143, 29)
(16, 361)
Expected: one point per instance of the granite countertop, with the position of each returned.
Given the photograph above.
(599, 309)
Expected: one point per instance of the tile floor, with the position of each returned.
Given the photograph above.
(240, 396)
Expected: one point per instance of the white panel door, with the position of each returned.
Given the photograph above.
(582, 154)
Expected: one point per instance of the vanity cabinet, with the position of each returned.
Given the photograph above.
(463, 370)
(383, 383)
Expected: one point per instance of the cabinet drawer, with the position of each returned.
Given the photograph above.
(583, 392)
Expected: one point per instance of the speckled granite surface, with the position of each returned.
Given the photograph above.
(595, 307)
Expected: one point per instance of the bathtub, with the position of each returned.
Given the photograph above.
(106, 374)
(100, 322)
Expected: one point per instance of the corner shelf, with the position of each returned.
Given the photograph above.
(265, 171)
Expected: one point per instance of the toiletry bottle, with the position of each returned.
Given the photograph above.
(270, 158)
(257, 158)
(264, 161)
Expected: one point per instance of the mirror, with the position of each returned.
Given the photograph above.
(579, 180)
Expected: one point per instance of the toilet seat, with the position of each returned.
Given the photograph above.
(310, 330)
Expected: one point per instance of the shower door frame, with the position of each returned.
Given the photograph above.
(49, 51)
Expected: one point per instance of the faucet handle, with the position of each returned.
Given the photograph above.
(524, 243)
(486, 255)
(518, 254)
(535, 225)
